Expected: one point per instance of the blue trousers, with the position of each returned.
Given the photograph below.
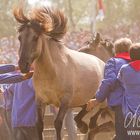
(121, 131)
(133, 130)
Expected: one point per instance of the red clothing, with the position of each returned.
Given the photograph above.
(135, 65)
(124, 55)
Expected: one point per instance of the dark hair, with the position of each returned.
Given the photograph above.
(122, 45)
(135, 51)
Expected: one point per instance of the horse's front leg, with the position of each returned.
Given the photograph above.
(60, 117)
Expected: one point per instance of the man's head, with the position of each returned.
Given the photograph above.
(135, 51)
(122, 45)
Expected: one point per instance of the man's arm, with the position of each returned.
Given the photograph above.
(14, 78)
(106, 85)
(8, 68)
(109, 81)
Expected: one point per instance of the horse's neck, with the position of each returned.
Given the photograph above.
(50, 56)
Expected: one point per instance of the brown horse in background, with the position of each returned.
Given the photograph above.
(103, 49)
(63, 77)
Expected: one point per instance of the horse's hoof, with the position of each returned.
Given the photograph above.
(83, 127)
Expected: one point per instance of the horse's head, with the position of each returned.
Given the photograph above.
(40, 23)
(28, 51)
(92, 45)
(99, 47)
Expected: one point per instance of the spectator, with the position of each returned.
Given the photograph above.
(8, 78)
(110, 89)
(129, 77)
(24, 117)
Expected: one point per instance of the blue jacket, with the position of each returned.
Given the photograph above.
(8, 97)
(9, 77)
(7, 68)
(24, 106)
(130, 79)
(109, 87)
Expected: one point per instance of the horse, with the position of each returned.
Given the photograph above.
(63, 77)
(103, 49)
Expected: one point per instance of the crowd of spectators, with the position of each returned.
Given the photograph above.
(74, 40)
(9, 45)
(8, 50)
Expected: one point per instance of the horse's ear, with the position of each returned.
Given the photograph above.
(98, 38)
(19, 16)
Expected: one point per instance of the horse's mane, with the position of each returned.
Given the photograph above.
(43, 20)
(108, 45)
(105, 44)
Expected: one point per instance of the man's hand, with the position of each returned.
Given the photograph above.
(17, 68)
(91, 104)
(28, 75)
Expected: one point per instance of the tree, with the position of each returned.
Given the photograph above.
(7, 24)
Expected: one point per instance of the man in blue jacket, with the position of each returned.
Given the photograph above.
(24, 117)
(12, 76)
(114, 94)
(129, 77)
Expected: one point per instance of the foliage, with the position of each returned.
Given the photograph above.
(7, 24)
(121, 19)
(123, 14)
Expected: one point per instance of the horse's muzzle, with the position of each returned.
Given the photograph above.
(24, 66)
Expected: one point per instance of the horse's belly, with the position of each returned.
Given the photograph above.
(80, 98)
(85, 87)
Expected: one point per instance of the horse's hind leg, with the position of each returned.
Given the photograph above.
(83, 127)
(106, 127)
(93, 120)
(60, 117)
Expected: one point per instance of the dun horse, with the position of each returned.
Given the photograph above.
(63, 77)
